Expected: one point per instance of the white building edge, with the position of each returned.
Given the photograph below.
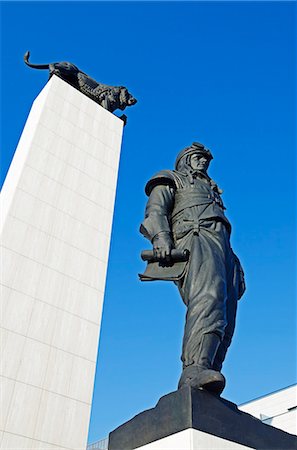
(278, 409)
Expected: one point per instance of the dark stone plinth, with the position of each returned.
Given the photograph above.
(189, 408)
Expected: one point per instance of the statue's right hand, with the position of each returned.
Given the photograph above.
(162, 246)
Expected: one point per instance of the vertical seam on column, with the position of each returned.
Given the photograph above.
(10, 402)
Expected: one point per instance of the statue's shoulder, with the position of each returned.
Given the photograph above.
(170, 178)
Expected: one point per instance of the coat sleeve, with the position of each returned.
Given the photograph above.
(158, 211)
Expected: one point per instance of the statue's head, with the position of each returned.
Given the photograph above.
(195, 157)
(125, 98)
(117, 97)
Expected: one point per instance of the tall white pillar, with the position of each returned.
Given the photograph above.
(57, 208)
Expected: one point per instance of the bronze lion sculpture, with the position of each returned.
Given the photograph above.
(109, 97)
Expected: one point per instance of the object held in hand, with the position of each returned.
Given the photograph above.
(175, 255)
(172, 270)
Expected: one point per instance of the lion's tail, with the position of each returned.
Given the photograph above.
(34, 66)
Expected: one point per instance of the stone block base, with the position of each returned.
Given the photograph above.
(190, 419)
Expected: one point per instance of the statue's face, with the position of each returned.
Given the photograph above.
(200, 162)
(126, 99)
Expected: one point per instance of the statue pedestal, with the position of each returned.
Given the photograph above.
(190, 419)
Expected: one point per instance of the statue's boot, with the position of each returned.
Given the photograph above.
(201, 375)
(220, 356)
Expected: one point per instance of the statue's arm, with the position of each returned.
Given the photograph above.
(156, 225)
(158, 212)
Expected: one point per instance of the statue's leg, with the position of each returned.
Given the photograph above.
(204, 291)
(231, 309)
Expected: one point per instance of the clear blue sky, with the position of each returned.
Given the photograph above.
(220, 73)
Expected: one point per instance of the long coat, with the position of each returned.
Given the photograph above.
(189, 207)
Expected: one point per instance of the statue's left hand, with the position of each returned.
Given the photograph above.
(163, 244)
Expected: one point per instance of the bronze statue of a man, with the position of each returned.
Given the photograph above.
(185, 211)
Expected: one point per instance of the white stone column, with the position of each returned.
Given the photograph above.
(57, 207)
